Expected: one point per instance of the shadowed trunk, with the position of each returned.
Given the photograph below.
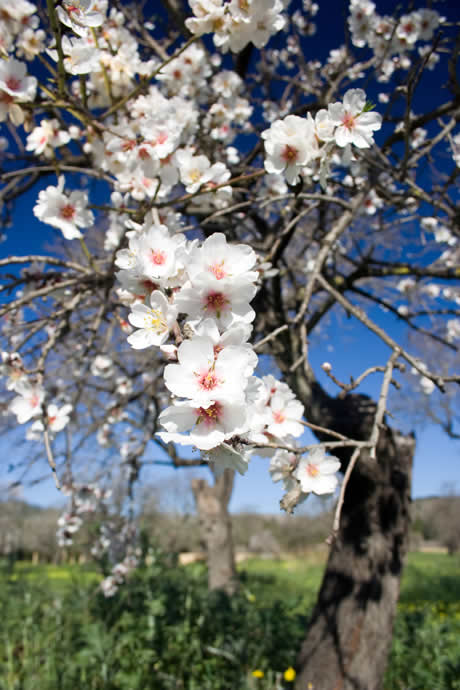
(216, 529)
(350, 632)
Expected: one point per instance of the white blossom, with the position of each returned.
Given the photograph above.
(316, 472)
(64, 210)
(153, 323)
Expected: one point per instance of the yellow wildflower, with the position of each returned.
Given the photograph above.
(289, 674)
(258, 673)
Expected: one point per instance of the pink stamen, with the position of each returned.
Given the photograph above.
(290, 153)
(209, 416)
(67, 212)
(215, 301)
(208, 381)
(13, 83)
(217, 270)
(348, 121)
(157, 257)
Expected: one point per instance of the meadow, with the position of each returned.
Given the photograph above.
(164, 631)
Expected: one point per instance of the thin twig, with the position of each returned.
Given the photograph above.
(49, 455)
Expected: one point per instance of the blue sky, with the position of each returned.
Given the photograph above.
(349, 350)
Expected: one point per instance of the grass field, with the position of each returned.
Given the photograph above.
(163, 631)
(428, 577)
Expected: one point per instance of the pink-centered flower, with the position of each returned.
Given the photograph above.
(316, 472)
(28, 402)
(206, 427)
(290, 144)
(353, 124)
(14, 80)
(227, 304)
(283, 416)
(222, 261)
(79, 15)
(56, 418)
(203, 375)
(153, 323)
(64, 210)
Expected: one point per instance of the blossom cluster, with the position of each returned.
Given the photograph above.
(201, 293)
(115, 541)
(234, 24)
(29, 403)
(83, 499)
(386, 35)
(292, 144)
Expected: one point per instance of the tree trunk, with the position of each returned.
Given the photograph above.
(350, 633)
(216, 529)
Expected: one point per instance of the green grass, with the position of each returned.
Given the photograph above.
(60, 577)
(427, 577)
(431, 577)
(293, 580)
(58, 633)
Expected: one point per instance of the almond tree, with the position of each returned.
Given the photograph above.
(245, 197)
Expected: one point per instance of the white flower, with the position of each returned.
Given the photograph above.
(453, 330)
(109, 586)
(204, 375)
(154, 322)
(194, 171)
(408, 28)
(226, 303)
(353, 125)
(428, 22)
(14, 82)
(102, 366)
(238, 334)
(324, 126)
(11, 365)
(46, 137)
(290, 144)
(254, 21)
(222, 262)
(81, 55)
(281, 465)
(57, 418)
(316, 472)
(70, 523)
(28, 403)
(155, 252)
(66, 211)
(31, 43)
(79, 15)
(426, 385)
(283, 416)
(209, 16)
(208, 427)
(225, 457)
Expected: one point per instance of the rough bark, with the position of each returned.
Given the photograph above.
(216, 529)
(349, 635)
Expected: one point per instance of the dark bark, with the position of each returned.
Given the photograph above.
(216, 529)
(349, 636)
(350, 632)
